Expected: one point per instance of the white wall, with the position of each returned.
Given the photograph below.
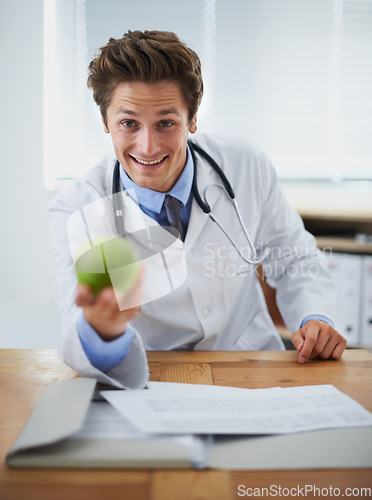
(28, 312)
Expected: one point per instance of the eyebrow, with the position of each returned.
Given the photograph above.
(171, 111)
(162, 112)
(124, 111)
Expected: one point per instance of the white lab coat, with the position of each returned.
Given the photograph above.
(219, 306)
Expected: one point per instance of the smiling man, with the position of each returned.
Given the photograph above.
(149, 126)
(148, 86)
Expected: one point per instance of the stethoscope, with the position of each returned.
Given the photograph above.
(203, 204)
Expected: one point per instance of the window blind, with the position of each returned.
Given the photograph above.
(294, 76)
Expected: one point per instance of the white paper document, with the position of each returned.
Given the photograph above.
(166, 408)
(66, 429)
(105, 422)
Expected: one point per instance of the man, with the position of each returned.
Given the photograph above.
(148, 86)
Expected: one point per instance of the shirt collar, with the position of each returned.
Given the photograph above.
(153, 200)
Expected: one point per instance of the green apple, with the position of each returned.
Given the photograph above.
(108, 263)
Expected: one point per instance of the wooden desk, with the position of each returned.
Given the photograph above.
(25, 373)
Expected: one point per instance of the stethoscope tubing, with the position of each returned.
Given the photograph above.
(203, 203)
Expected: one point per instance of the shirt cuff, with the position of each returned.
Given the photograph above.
(317, 316)
(103, 355)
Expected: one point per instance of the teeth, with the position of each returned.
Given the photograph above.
(143, 162)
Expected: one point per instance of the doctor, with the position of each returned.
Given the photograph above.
(148, 86)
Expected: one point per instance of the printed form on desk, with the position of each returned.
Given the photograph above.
(193, 426)
(170, 408)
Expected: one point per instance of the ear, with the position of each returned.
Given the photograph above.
(193, 126)
(104, 125)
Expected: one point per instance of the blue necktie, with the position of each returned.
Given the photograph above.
(173, 207)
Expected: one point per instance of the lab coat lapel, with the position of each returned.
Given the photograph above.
(206, 176)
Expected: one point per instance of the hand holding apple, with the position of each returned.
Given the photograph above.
(109, 263)
(110, 286)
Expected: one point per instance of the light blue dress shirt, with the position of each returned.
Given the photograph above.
(317, 316)
(106, 355)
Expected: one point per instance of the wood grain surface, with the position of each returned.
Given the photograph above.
(25, 373)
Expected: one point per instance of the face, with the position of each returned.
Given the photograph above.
(149, 126)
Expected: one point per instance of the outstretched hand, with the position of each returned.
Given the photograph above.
(103, 312)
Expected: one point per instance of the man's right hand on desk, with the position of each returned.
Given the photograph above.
(103, 313)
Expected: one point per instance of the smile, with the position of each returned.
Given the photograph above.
(144, 162)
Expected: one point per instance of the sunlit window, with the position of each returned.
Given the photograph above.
(294, 76)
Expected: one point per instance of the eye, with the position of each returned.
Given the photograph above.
(166, 123)
(128, 123)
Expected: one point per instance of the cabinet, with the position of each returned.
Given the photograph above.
(347, 242)
(341, 221)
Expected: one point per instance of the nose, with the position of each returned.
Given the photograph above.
(148, 143)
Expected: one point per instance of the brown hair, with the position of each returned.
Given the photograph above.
(146, 56)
